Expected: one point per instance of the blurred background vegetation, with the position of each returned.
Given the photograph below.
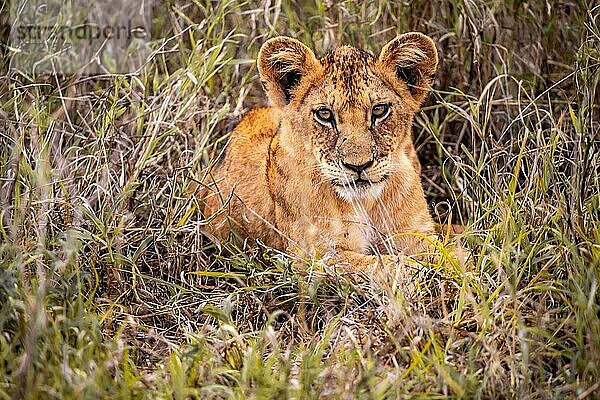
(108, 288)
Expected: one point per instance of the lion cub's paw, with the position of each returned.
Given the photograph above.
(382, 271)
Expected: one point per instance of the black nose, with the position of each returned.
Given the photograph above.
(358, 168)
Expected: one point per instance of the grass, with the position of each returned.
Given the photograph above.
(108, 289)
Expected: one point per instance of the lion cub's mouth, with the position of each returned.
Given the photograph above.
(358, 188)
(362, 182)
(359, 182)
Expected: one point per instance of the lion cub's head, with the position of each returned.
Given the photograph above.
(350, 110)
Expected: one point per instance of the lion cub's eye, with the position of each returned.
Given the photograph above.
(324, 116)
(380, 111)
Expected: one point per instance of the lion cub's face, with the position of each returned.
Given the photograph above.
(351, 111)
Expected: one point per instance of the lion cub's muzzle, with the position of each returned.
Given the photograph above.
(356, 158)
(360, 170)
(343, 173)
(354, 163)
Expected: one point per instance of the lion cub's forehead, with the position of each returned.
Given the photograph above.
(347, 59)
(351, 71)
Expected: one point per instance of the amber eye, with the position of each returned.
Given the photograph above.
(380, 111)
(324, 116)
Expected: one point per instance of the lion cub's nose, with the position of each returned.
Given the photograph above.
(358, 168)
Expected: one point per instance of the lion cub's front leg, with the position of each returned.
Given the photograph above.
(378, 269)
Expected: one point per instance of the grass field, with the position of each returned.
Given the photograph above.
(108, 288)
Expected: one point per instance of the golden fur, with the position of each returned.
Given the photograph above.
(330, 168)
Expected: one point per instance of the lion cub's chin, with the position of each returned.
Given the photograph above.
(363, 192)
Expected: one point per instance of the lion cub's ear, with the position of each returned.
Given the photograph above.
(412, 59)
(282, 63)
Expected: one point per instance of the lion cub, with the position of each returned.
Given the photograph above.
(330, 168)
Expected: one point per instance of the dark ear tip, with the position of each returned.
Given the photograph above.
(424, 42)
(418, 39)
(272, 45)
(275, 40)
(278, 42)
(415, 36)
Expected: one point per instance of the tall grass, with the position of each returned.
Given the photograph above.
(108, 288)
